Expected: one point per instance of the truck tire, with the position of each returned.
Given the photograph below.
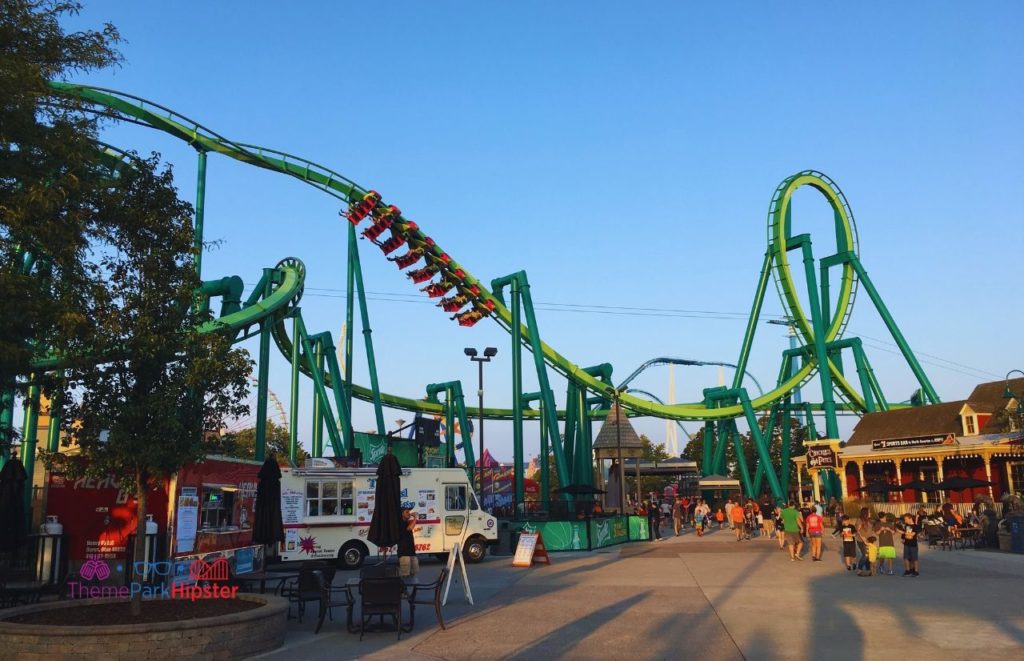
(475, 549)
(351, 555)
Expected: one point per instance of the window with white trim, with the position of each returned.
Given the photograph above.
(328, 497)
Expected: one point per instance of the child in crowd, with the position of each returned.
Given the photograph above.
(780, 530)
(909, 534)
(848, 532)
(720, 517)
(698, 521)
(760, 524)
(871, 548)
(886, 547)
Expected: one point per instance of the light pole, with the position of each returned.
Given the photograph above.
(489, 352)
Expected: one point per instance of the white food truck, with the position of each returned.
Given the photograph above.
(326, 513)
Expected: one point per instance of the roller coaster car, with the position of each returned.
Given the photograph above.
(378, 228)
(423, 274)
(390, 210)
(365, 206)
(438, 289)
(474, 290)
(408, 259)
(459, 273)
(489, 304)
(411, 226)
(392, 244)
(453, 303)
(470, 317)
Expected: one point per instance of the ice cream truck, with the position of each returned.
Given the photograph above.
(326, 512)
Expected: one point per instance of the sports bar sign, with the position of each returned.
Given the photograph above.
(890, 443)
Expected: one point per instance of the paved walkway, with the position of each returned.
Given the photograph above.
(708, 598)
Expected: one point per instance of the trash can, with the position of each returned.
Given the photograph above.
(504, 545)
(1017, 534)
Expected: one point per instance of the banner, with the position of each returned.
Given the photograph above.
(606, 532)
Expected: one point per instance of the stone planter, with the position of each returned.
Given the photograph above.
(1004, 541)
(233, 636)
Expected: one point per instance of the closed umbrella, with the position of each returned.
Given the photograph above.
(386, 522)
(13, 526)
(958, 483)
(267, 528)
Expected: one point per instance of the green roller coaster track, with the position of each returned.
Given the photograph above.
(276, 300)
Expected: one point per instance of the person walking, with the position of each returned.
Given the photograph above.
(654, 521)
(677, 516)
(729, 505)
(792, 524)
(736, 518)
(815, 528)
(865, 529)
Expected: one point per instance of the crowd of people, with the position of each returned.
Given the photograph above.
(869, 542)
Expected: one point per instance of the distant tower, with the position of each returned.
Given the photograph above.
(671, 429)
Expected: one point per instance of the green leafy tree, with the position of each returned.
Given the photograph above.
(140, 407)
(52, 184)
(242, 444)
(652, 453)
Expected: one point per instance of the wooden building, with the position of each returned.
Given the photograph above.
(978, 437)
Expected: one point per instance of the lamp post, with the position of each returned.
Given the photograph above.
(489, 352)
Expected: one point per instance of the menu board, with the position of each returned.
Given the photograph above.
(292, 505)
(365, 501)
(525, 549)
(427, 506)
(188, 519)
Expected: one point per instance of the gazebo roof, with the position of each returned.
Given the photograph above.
(615, 430)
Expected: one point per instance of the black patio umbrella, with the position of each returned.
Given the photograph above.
(880, 487)
(267, 528)
(580, 490)
(386, 522)
(13, 526)
(958, 483)
(921, 485)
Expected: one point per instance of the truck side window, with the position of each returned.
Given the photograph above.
(328, 497)
(455, 498)
(472, 502)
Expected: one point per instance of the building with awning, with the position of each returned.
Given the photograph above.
(979, 437)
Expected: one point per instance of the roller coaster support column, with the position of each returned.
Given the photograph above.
(521, 299)
(29, 433)
(6, 423)
(197, 232)
(302, 340)
(517, 399)
(371, 363)
(53, 431)
(803, 241)
(545, 452)
(350, 302)
(263, 372)
(293, 422)
(787, 441)
(454, 409)
(897, 335)
(755, 314)
(318, 413)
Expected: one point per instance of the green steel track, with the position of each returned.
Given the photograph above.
(288, 292)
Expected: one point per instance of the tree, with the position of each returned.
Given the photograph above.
(51, 180)
(242, 444)
(140, 406)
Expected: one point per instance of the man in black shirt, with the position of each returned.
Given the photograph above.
(408, 563)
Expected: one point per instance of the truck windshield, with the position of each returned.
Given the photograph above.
(472, 501)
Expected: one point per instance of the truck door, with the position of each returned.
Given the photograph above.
(456, 511)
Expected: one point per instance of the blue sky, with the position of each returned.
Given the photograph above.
(623, 155)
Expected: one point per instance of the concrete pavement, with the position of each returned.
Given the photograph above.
(709, 598)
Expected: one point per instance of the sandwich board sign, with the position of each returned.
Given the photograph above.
(530, 549)
(455, 555)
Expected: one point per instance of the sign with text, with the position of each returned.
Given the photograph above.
(821, 456)
(529, 550)
(891, 443)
